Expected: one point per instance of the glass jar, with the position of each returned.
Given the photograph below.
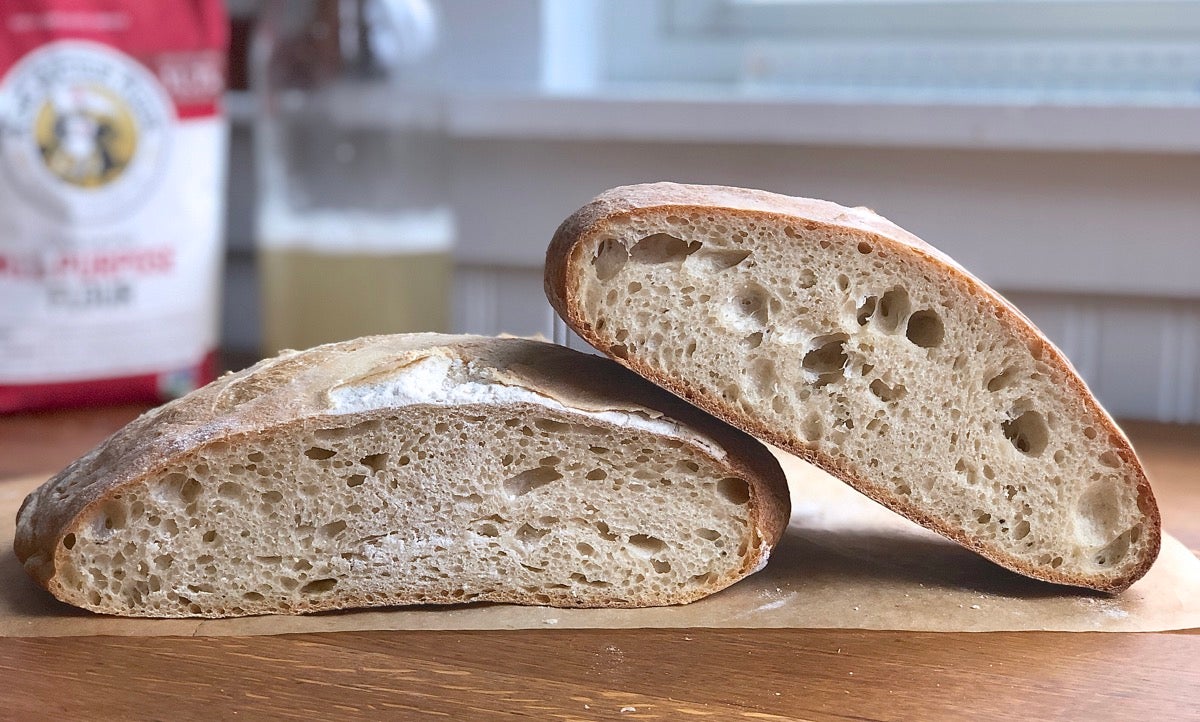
(354, 225)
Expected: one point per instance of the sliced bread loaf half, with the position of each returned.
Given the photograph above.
(840, 337)
(408, 470)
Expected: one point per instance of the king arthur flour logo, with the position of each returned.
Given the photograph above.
(84, 131)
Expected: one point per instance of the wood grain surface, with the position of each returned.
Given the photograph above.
(601, 674)
(605, 674)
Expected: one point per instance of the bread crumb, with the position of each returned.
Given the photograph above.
(628, 709)
(974, 606)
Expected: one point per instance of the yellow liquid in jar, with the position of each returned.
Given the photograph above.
(311, 298)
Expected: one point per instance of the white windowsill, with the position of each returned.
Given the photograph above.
(627, 116)
(746, 120)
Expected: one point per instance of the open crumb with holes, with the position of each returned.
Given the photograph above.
(408, 470)
(842, 338)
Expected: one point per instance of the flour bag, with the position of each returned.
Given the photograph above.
(112, 169)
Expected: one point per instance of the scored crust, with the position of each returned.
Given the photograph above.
(314, 386)
(654, 207)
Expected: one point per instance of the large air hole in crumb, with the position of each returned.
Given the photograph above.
(751, 306)
(732, 393)
(925, 329)
(316, 453)
(170, 489)
(1002, 380)
(827, 358)
(645, 545)
(112, 518)
(348, 432)
(893, 309)
(813, 427)
(866, 309)
(332, 529)
(530, 480)
(318, 586)
(763, 375)
(527, 534)
(610, 258)
(1098, 512)
(190, 491)
(719, 260)
(581, 579)
(885, 393)
(375, 462)
(662, 248)
(1028, 433)
(734, 490)
(1117, 549)
(555, 427)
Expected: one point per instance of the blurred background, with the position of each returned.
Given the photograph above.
(402, 164)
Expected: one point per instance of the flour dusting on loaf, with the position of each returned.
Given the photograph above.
(418, 469)
(840, 337)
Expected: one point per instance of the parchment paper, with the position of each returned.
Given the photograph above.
(845, 562)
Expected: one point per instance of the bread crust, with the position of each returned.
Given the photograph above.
(295, 388)
(577, 234)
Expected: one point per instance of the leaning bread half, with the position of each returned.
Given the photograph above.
(408, 470)
(840, 337)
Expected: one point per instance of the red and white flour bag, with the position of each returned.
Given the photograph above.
(112, 169)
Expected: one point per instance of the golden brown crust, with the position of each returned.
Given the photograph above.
(578, 232)
(294, 388)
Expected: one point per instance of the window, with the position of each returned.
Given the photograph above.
(1079, 52)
